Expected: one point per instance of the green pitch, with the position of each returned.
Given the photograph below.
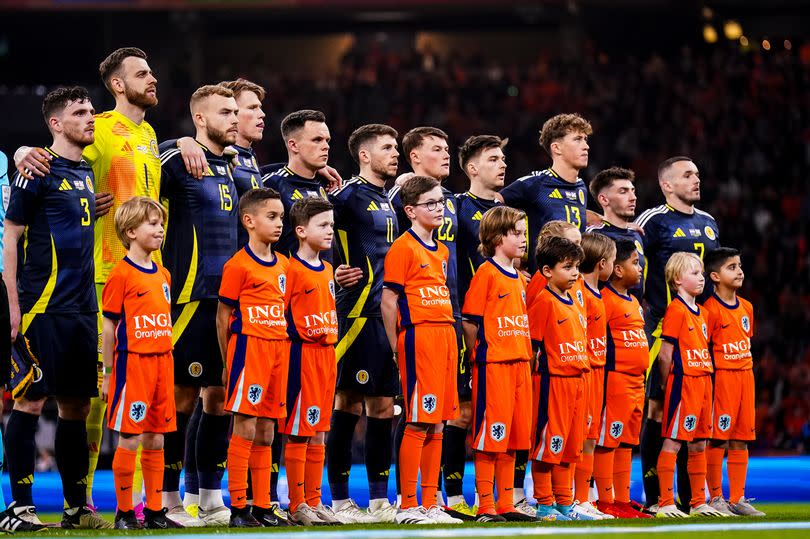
(784, 513)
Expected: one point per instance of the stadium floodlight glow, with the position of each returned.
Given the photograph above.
(732, 30)
(766, 44)
(788, 45)
(743, 41)
(709, 34)
(707, 12)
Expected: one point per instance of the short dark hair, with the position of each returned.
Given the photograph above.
(243, 85)
(560, 125)
(605, 179)
(665, 165)
(595, 247)
(365, 133)
(624, 250)
(111, 64)
(296, 121)
(552, 250)
(254, 197)
(714, 259)
(473, 147)
(57, 99)
(413, 138)
(414, 187)
(304, 210)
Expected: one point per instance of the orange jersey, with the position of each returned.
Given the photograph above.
(730, 330)
(255, 290)
(418, 273)
(309, 303)
(627, 348)
(535, 286)
(558, 329)
(138, 300)
(597, 325)
(687, 331)
(496, 301)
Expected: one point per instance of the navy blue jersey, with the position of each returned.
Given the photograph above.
(292, 188)
(668, 231)
(246, 176)
(366, 225)
(203, 220)
(471, 210)
(55, 262)
(628, 234)
(544, 196)
(447, 233)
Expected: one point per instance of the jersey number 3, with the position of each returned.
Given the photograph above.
(86, 220)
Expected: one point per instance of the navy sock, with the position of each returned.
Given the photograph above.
(339, 453)
(21, 454)
(454, 456)
(521, 459)
(173, 450)
(398, 434)
(378, 446)
(651, 443)
(191, 481)
(277, 450)
(72, 459)
(212, 450)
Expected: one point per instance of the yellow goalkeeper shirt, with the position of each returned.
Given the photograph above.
(125, 163)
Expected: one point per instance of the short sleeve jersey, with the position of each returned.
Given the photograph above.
(471, 210)
(56, 257)
(309, 303)
(627, 349)
(627, 234)
(255, 289)
(687, 331)
(545, 196)
(246, 176)
(557, 328)
(730, 330)
(417, 272)
(366, 226)
(597, 325)
(138, 299)
(126, 163)
(203, 220)
(536, 285)
(5, 190)
(496, 302)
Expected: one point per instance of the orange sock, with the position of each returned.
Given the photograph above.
(313, 473)
(696, 468)
(430, 466)
(295, 459)
(737, 465)
(152, 466)
(603, 474)
(622, 466)
(561, 484)
(260, 462)
(123, 467)
(238, 456)
(505, 481)
(714, 470)
(485, 481)
(541, 475)
(410, 456)
(666, 477)
(582, 478)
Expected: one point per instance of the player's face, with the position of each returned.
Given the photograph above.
(421, 212)
(684, 181)
(573, 235)
(731, 273)
(432, 158)
(573, 149)
(620, 197)
(250, 116)
(266, 220)
(631, 270)
(221, 122)
(312, 142)
(319, 231)
(149, 234)
(140, 84)
(491, 166)
(691, 280)
(563, 275)
(76, 123)
(383, 156)
(513, 244)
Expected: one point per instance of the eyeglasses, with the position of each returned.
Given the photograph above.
(431, 205)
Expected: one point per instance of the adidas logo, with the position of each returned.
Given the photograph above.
(555, 194)
(126, 147)
(297, 195)
(679, 233)
(477, 216)
(65, 185)
(373, 206)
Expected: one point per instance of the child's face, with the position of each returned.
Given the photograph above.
(422, 213)
(574, 235)
(318, 232)
(513, 244)
(691, 281)
(563, 275)
(730, 274)
(607, 269)
(631, 271)
(265, 221)
(149, 234)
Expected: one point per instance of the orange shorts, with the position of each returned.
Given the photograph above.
(501, 394)
(595, 385)
(687, 408)
(734, 405)
(257, 376)
(560, 430)
(142, 393)
(310, 389)
(428, 363)
(621, 417)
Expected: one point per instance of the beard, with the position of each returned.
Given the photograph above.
(141, 99)
(79, 137)
(381, 170)
(223, 138)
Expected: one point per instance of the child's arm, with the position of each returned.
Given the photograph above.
(390, 310)
(665, 359)
(470, 330)
(223, 330)
(107, 353)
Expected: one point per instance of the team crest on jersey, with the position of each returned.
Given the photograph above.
(555, 445)
(450, 206)
(724, 422)
(705, 333)
(497, 431)
(313, 415)
(153, 145)
(583, 321)
(581, 194)
(580, 298)
(746, 323)
(332, 288)
(195, 369)
(641, 312)
(137, 411)
(709, 231)
(362, 377)
(221, 170)
(639, 247)
(444, 268)
(616, 429)
(254, 394)
(429, 403)
(88, 182)
(282, 283)
(167, 293)
(689, 423)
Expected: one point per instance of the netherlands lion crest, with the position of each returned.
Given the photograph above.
(313, 415)
(254, 394)
(429, 403)
(497, 431)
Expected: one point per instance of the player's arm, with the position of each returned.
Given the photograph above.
(193, 156)
(32, 161)
(107, 353)
(224, 313)
(390, 311)
(13, 233)
(665, 358)
(470, 330)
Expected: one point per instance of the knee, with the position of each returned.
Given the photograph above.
(184, 399)
(350, 402)
(214, 400)
(33, 407)
(73, 409)
(380, 407)
(655, 410)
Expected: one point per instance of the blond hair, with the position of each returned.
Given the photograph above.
(204, 92)
(132, 213)
(555, 228)
(496, 223)
(596, 247)
(677, 265)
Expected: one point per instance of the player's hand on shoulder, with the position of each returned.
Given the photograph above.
(332, 177)
(193, 156)
(104, 202)
(593, 218)
(347, 276)
(32, 162)
(402, 178)
(636, 227)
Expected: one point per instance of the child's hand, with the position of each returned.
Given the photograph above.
(105, 387)
(224, 377)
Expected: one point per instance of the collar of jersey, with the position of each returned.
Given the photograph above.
(259, 260)
(724, 304)
(141, 268)
(568, 301)
(624, 297)
(499, 268)
(247, 152)
(591, 290)
(425, 245)
(65, 159)
(308, 265)
(368, 183)
(697, 311)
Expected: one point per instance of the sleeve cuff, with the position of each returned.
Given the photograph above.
(474, 318)
(112, 316)
(229, 302)
(670, 340)
(396, 287)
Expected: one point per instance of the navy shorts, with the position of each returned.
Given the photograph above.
(197, 360)
(365, 360)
